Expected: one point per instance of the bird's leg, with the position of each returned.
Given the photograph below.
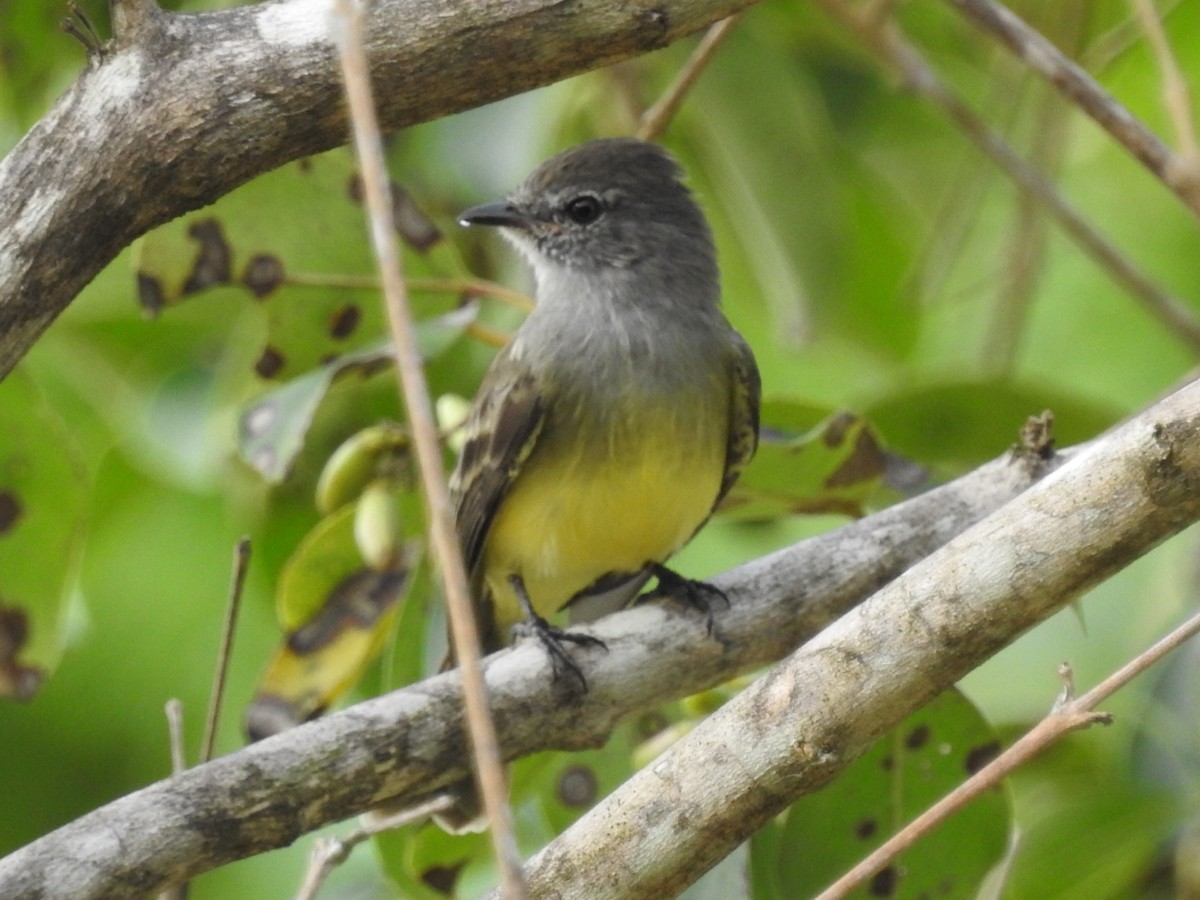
(700, 595)
(552, 638)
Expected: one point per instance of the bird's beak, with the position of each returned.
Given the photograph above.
(503, 213)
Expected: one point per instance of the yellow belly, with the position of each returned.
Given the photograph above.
(584, 507)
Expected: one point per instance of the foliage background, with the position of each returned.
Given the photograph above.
(869, 255)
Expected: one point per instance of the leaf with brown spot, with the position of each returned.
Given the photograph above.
(535, 783)
(211, 265)
(827, 832)
(410, 221)
(810, 460)
(426, 863)
(269, 363)
(10, 510)
(17, 681)
(263, 274)
(273, 427)
(267, 240)
(42, 504)
(344, 321)
(337, 614)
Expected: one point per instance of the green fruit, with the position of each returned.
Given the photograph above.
(359, 459)
(378, 528)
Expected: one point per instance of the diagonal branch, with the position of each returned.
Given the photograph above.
(1069, 714)
(886, 42)
(802, 723)
(177, 110)
(1081, 89)
(410, 742)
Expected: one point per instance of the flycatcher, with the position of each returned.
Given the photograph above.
(622, 411)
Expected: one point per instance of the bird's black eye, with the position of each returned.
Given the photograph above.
(584, 209)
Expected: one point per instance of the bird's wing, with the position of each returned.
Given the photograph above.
(743, 414)
(500, 434)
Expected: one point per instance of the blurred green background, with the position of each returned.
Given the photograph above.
(874, 260)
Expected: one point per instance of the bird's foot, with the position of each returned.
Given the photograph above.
(700, 595)
(553, 639)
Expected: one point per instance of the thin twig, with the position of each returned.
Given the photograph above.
(1139, 664)
(1176, 96)
(1069, 714)
(444, 538)
(1078, 86)
(241, 562)
(657, 117)
(898, 54)
(467, 287)
(493, 337)
(1026, 254)
(174, 711)
(1110, 46)
(330, 852)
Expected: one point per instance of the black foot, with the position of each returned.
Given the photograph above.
(700, 595)
(552, 638)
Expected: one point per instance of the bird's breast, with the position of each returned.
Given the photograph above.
(608, 488)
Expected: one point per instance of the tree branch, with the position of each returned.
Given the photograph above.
(1068, 715)
(1080, 88)
(802, 723)
(410, 742)
(178, 110)
(885, 41)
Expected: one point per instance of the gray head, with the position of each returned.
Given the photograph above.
(610, 205)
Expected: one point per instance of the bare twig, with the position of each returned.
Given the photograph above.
(174, 711)
(330, 852)
(1176, 96)
(899, 55)
(444, 538)
(656, 118)
(1068, 714)
(1110, 46)
(1027, 245)
(241, 563)
(1078, 86)
(79, 26)
(466, 287)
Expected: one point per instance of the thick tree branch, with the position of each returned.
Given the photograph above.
(180, 109)
(410, 742)
(803, 722)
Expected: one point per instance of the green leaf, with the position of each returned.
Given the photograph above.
(310, 267)
(273, 428)
(337, 614)
(549, 791)
(42, 505)
(961, 423)
(827, 832)
(425, 863)
(809, 460)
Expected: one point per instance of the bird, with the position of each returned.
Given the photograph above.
(609, 428)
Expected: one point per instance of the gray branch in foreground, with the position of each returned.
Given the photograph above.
(410, 742)
(802, 723)
(182, 108)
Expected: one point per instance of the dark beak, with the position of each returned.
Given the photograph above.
(504, 214)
